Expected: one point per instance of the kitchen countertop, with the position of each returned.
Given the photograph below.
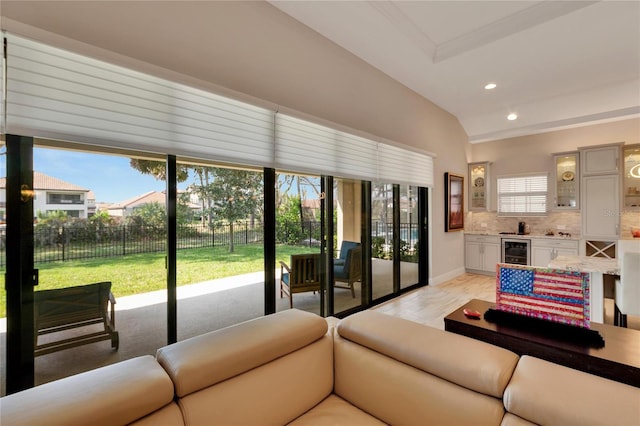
(586, 264)
(527, 236)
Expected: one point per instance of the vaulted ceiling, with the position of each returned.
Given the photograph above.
(556, 64)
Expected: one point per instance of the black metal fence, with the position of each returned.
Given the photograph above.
(88, 241)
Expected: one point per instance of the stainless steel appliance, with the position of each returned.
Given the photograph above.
(516, 251)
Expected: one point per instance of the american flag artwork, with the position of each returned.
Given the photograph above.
(552, 294)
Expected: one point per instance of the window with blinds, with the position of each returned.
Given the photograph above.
(522, 195)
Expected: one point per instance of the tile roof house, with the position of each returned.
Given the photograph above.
(53, 194)
(125, 208)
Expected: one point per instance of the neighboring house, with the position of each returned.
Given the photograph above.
(53, 194)
(127, 207)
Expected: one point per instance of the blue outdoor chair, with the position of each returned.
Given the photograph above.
(350, 270)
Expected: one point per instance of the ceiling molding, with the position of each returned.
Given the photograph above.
(405, 26)
(527, 18)
(591, 119)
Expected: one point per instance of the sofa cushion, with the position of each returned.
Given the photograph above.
(116, 394)
(547, 393)
(168, 415)
(273, 393)
(205, 360)
(335, 411)
(513, 420)
(398, 393)
(470, 363)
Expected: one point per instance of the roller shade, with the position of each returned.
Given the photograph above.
(400, 165)
(303, 146)
(53, 93)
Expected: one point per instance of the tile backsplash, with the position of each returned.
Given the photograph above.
(571, 222)
(537, 225)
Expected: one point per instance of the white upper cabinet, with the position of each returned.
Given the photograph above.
(631, 177)
(600, 160)
(479, 186)
(565, 186)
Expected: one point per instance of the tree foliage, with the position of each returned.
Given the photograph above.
(158, 169)
(235, 195)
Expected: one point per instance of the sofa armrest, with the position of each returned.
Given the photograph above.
(116, 394)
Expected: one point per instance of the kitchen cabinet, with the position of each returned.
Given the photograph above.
(544, 250)
(566, 181)
(479, 186)
(631, 177)
(601, 207)
(482, 253)
(599, 160)
(600, 192)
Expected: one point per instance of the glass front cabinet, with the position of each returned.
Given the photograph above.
(479, 186)
(566, 181)
(631, 178)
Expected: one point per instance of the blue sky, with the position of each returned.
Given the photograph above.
(111, 178)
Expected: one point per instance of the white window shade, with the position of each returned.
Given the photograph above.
(303, 146)
(56, 94)
(522, 195)
(400, 165)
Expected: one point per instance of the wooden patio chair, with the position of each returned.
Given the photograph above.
(303, 275)
(75, 307)
(351, 271)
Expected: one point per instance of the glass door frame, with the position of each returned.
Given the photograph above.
(21, 276)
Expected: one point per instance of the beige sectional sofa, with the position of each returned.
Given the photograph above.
(297, 368)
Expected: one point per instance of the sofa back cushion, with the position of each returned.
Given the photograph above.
(274, 393)
(210, 358)
(405, 372)
(546, 393)
(268, 370)
(120, 393)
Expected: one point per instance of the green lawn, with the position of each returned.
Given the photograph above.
(142, 273)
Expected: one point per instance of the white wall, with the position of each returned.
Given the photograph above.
(255, 52)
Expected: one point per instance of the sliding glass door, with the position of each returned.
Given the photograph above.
(299, 273)
(383, 233)
(347, 264)
(409, 236)
(220, 247)
(100, 228)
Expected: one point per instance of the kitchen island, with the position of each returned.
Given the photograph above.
(597, 267)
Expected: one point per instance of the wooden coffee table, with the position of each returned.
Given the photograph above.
(618, 360)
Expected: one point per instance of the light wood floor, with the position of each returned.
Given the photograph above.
(429, 305)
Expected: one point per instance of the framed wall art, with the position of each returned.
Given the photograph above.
(453, 202)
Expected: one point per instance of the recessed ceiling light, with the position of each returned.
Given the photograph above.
(512, 116)
(490, 86)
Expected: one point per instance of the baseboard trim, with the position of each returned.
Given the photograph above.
(446, 276)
